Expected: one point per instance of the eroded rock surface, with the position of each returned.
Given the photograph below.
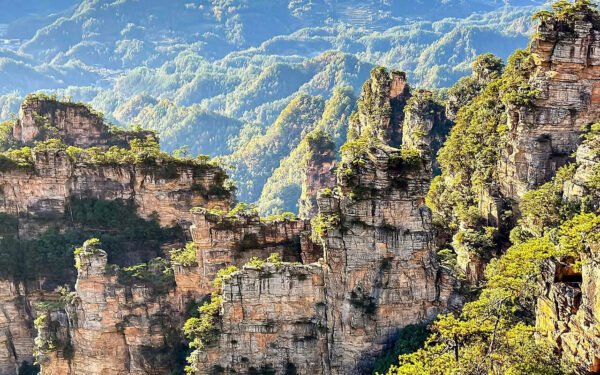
(379, 272)
(542, 137)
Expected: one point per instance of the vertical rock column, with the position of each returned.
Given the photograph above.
(542, 136)
(381, 273)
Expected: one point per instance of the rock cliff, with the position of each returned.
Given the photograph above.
(568, 306)
(318, 168)
(542, 136)
(48, 192)
(108, 327)
(379, 272)
(42, 117)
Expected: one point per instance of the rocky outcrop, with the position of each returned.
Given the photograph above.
(273, 322)
(542, 136)
(425, 125)
(568, 307)
(37, 193)
(114, 325)
(379, 272)
(42, 117)
(170, 190)
(16, 326)
(568, 310)
(108, 327)
(223, 240)
(381, 107)
(318, 173)
(585, 182)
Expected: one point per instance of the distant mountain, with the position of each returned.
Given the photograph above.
(13, 10)
(216, 75)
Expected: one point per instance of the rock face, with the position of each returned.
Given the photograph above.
(542, 137)
(273, 321)
(381, 107)
(425, 125)
(569, 307)
(113, 327)
(109, 328)
(37, 196)
(379, 272)
(16, 327)
(319, 165)
(44, 189)
(222, 241)
(42, 118)
(568, 310)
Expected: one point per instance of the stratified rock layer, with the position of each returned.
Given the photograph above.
(379, 272)
(76, 124)
(542, 137)
(109, 328)
(38, 196)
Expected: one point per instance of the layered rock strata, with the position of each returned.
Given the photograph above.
(233, 240)
(273, 321)
(542, 136)
(109, 328)
(42, 117)
(38, 195)
(379, 272)
(318, 173)
(43, 190)
(141, 326)
(381, 107)
(568, 309)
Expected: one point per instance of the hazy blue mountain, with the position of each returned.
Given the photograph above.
(215, 75)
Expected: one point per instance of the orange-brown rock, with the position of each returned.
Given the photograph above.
(233, 240)
(38, 196)
(44, 189)
(318, 173)
(76, 124)
(379, 272)
(542, 137)
(109, 328)
(273, 320)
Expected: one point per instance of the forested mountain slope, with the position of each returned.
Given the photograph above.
(213, 75)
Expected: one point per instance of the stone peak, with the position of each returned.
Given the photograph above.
(42, 117)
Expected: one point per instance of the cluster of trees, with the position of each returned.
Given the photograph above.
(50, 255)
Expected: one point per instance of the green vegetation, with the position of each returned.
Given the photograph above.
(186, 256)
(50, 255)
(274, 259)
(408, 340)
(493, 334)
(469, 158)
(156, 274)
(486, 68)
(283, 189)
(321, 223)
(203, 330)
(257, 159)
(219, 91)
(286, 216)
(566, 12)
